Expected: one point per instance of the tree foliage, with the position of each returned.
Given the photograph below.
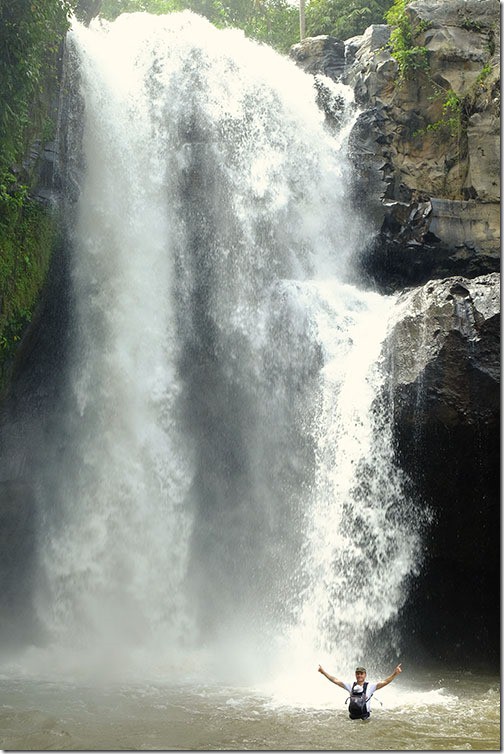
(32, 32)
(344, 18)
(408, 55)
(29, 41)
(274, 22)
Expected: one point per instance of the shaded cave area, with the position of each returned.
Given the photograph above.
(31, 413)
(453, 611)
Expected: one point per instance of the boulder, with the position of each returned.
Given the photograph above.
(446, 346)
(323, 54)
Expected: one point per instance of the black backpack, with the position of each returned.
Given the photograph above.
(357, 703)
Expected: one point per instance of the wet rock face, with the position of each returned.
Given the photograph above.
(410, 147)
(444, 358)
(427, 178)
(428, 238)
(323, 54)
(17, 545)
(445, 353)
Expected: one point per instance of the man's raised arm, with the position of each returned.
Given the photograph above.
(331, 677)
(391, 677)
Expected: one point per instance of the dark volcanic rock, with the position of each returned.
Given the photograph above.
(446, 350)
(426, 238)
(445, 369)
(18, 548)
(427, 179)
(323, 54)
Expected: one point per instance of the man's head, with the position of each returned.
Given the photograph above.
(360, 674)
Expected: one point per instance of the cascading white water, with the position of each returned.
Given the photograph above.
(227, 476)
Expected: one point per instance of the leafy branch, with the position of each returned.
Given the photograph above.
(409, 56)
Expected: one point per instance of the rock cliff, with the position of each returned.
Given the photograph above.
(444, 361)
(445, 352)
(426, 143)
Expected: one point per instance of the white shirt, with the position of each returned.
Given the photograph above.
(370, 689)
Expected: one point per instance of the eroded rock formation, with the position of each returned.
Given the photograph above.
(446, 348)
(426, 144)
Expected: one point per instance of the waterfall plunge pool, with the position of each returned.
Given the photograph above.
(422, 710)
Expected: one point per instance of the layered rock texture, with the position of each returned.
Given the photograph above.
(426, 144)
(426, 151)
(445, 352)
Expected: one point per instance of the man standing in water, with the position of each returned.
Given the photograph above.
(361, 687)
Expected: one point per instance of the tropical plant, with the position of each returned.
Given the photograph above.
(31, 39)
(274, 22)
(29, 42)
(344, 18)
(409, 56)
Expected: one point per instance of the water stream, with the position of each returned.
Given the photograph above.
(227, 484)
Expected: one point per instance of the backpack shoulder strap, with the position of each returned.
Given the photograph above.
(351, 692)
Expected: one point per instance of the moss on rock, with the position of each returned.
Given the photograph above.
(28, 232)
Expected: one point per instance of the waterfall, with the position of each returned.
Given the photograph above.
(227, 474)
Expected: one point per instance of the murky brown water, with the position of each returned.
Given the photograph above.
(435, 712)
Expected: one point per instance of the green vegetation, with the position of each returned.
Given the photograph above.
(31, 37)
(27, 233)
(451, 122)
(485, 73)
(457, 110)
(32, 34)
(344, 18)
(275, 22)
(409, 56)
(30, 47)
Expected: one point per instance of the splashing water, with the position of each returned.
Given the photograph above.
(228, 476)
